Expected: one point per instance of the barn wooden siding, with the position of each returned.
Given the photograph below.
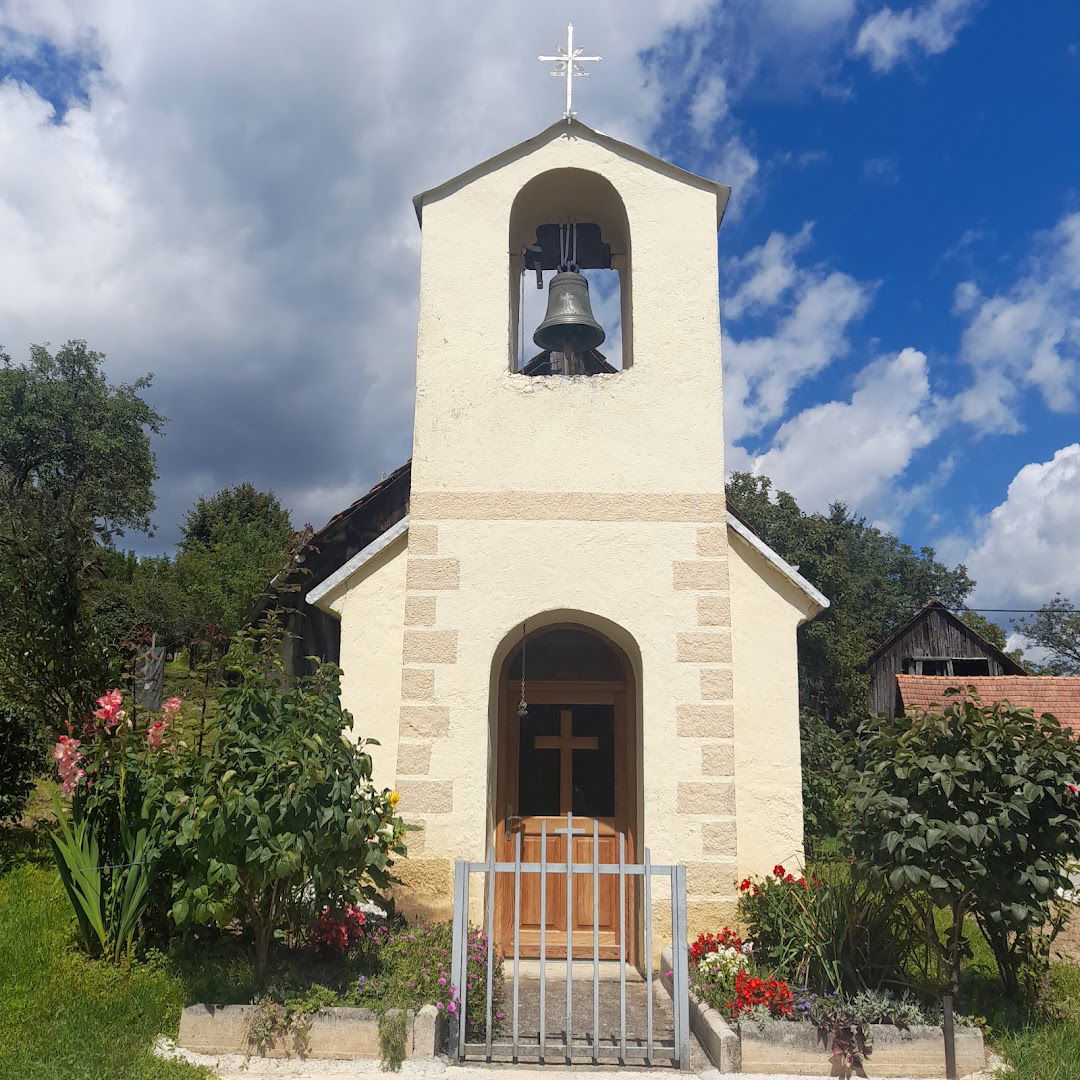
(934, 632)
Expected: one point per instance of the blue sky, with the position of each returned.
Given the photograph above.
(220, 194)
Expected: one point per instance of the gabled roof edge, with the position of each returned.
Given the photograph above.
(723, 192)
(362, 557)
(746, 533)
(930, 604)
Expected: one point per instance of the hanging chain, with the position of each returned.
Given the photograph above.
(523, 708)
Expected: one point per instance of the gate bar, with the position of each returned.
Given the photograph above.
(681, 996)
(648, 959)
(517, 933)
(490, 944)
(543, 937)
(569, 936)
(596, 940)
(622, 949)
(457, 982)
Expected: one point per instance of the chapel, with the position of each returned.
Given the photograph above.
(550, 610)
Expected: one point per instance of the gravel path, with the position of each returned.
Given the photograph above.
(237, 1067)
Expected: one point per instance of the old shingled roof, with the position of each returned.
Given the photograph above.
(1058, 695)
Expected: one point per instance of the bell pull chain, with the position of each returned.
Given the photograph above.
(523, 708)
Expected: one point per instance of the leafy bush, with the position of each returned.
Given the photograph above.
(281, 817)
(409, 966)
(825, 806)
(972, 808)
(848, 934)
(715, 960)
(22, 755)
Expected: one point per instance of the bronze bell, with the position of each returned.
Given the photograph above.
(569, 326)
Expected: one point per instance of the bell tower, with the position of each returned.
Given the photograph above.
(576, 482)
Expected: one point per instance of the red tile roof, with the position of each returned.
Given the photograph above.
(1058, 695)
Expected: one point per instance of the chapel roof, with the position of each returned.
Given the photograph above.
(571, 128)
(1058, 695)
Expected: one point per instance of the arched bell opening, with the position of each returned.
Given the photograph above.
(566, 744)
(569, 270)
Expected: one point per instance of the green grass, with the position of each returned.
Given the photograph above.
(64, 1016)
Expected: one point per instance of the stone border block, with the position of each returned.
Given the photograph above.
(711, 1030)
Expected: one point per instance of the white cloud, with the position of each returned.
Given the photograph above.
(231, 207)
(709, 105)
(1026, 337)
(808, 310)
(1024, 550)
(888, 36)
(885, 170)
(854, 450)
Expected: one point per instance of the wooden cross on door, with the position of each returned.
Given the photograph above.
(566, 743)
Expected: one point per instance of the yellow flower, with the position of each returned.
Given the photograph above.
(395, 798)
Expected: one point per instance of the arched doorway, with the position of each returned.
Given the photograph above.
(574, 751)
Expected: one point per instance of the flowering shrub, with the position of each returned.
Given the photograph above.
(752, 992)
(715, 960)
(847, 935)
(107, 847)
(409, 966)
(334, 934)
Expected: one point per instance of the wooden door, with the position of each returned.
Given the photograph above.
(569, 754)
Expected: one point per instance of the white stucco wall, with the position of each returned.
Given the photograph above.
(766, 611)
(371, 607)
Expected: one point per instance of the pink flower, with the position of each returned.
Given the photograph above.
(109, 711)
(171, 706)
(67, 754)
(155, 734)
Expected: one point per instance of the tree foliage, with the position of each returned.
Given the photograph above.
(76, 471)
(232, 544)
(1055, 628)
(972, 807)
(873, 580)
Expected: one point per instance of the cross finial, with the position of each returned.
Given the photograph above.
(568, 63)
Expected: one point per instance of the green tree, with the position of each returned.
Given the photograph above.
(76, 471)
(1055, 628)
(971, 808)
(873, 580)
(232, 544)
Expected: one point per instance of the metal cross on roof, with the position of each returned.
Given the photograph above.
(568, 64)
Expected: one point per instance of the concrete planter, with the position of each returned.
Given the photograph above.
(797, 1047)
(786, 1046)
(337, 1033)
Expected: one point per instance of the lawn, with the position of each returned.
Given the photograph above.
(62, 1016)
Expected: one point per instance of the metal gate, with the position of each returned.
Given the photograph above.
(625, 1047)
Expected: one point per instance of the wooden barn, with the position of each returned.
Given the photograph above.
(932, 642)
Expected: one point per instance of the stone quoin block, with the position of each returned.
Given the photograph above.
(414, 759)
(703, 647)
(433, 574)
(420, 610)
(425, 721)
(417, 684)
(706, 797)
(705, 575)
(714, 609)
(718, 836)
(430, 647)
(712, 541)
(427, 796)
(423, 538)
(718, 759)
(708, 720)
(717, 684)
(712, 878)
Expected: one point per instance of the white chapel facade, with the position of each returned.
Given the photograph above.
(575, 525)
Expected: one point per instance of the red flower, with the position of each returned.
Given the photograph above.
(778, 871)
(750, 991)
(744, 885)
